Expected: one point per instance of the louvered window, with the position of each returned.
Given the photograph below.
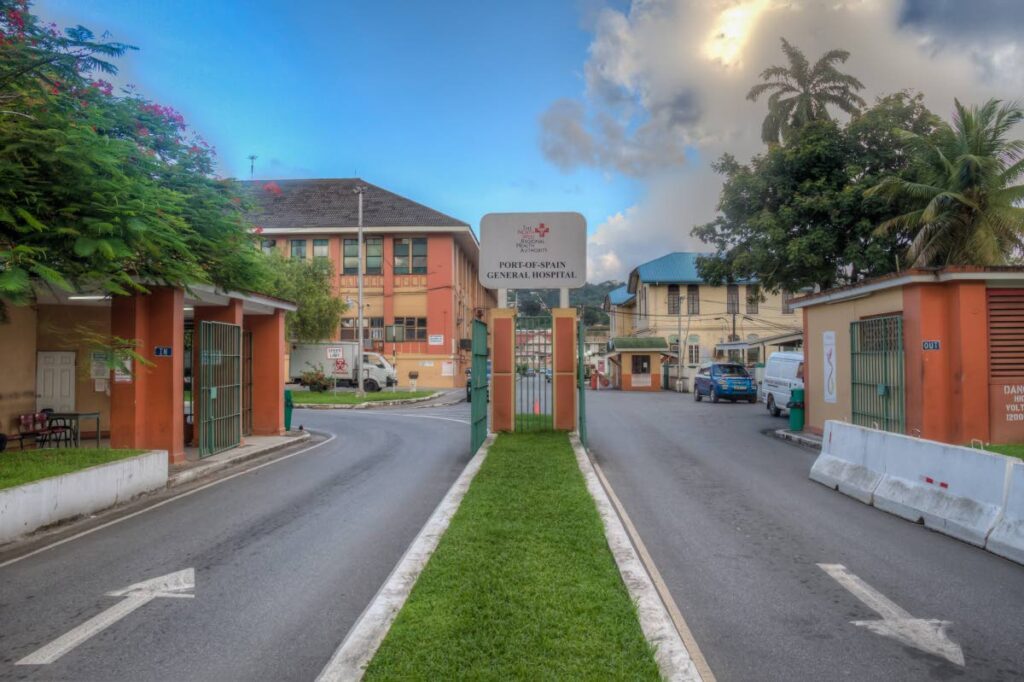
(1006, 333)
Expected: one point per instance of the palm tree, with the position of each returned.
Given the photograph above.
(802, 93)
(966, 207)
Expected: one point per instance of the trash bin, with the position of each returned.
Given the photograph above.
(288, 407)
(796, 410)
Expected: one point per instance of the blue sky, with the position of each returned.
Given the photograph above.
(438, 101)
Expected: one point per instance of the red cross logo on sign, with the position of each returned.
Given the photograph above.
(542, 230)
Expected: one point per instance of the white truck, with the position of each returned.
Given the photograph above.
(338, 361)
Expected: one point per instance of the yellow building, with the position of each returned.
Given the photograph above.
(420, 286)
(667, 298)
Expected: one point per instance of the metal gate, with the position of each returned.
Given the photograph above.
(580, 369)
(478, 387)
(220, 387)
(246, 383)
(533, 374)
(876, 373)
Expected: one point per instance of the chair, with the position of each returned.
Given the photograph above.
(60, 430)
(32, 425)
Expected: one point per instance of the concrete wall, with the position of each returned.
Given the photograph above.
(60, 328)
(18, 353)
(27, 507)
(837, 318)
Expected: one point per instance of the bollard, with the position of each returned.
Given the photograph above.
(288, 407)
(796, 410)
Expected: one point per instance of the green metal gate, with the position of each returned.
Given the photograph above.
(580, 369)
(220, 387)
(876, 373)
(478, 387)
(533, 374)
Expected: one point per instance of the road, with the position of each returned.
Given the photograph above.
(737, 530)
(286, 557)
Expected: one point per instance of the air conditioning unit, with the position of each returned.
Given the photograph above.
(465, 344)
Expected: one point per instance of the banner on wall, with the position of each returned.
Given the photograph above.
(828, 343)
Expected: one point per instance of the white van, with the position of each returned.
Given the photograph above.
(783, 372)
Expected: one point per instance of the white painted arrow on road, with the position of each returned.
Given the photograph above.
(173, 585)
(925, 634)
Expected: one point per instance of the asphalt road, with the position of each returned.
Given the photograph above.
(737, 530)
(286, 557)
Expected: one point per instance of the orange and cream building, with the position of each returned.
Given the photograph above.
(421, 291)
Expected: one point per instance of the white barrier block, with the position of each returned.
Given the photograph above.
(1007, 538)
(955, 490)
(850, 461)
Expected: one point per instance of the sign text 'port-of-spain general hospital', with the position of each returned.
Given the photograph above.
(533, 250)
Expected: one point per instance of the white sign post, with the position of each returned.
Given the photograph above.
(533, 251)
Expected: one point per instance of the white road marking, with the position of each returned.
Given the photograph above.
(160, 504)
(928, 635)
(173, 585)
(366, 413)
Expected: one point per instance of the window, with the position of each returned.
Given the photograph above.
(351, 257)
(298, 248)
(753, 355)
(673, 299)
(753, 299)
(693, 299)
(787, 298)
(373, 328)
(320, 248)
(411, 256)
(641, 364)
(269, 246)
(732, 299)
(415, 327)
(693, 353)
(374, 254)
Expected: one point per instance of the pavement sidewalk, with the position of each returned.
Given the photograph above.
(254, 446)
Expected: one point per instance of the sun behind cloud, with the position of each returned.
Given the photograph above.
(731, 30)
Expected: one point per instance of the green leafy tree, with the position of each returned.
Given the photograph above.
(104, 191)
(801, 93)
(309, 284)
(799, 215)
(964, 205)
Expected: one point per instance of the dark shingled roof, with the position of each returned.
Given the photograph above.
(280, 204)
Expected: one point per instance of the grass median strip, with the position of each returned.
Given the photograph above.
(347, 398)
(20, 467)
(522, 585)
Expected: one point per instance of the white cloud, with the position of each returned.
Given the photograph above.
(668, 75)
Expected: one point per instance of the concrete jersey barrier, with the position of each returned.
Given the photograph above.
(1007, 538)
(851, 460)
(955, 490)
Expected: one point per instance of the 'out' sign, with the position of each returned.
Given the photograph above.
(533, 250)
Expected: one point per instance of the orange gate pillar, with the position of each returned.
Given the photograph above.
(564, 354)
(147, 407)
(268, 350)
(503, 368)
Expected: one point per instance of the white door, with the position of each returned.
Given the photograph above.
(55, 381)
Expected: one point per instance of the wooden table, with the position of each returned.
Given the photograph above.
(76, 417)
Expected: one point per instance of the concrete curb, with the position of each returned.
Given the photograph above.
(674, 660)
(798, 438)
(367, 405)
(202, 470)
(362, 641)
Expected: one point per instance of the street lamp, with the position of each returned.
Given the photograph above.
(359, 189)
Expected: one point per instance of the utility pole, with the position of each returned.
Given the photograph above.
(679, 342)
(252, 165)
(360, 392)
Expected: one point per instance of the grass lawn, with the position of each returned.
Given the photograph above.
(1012, 450)
(348, 398)
(522, 585)
(18, 467)
(526, 422)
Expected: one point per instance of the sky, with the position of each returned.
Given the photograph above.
(614, 109)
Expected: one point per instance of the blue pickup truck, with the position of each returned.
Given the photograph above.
(724, 380)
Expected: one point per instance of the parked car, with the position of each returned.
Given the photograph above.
(783, 372)
(724, 380)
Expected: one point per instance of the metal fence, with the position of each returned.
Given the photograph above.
(876, 373)
(219, 387)
(478, 386)
(533, 374)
